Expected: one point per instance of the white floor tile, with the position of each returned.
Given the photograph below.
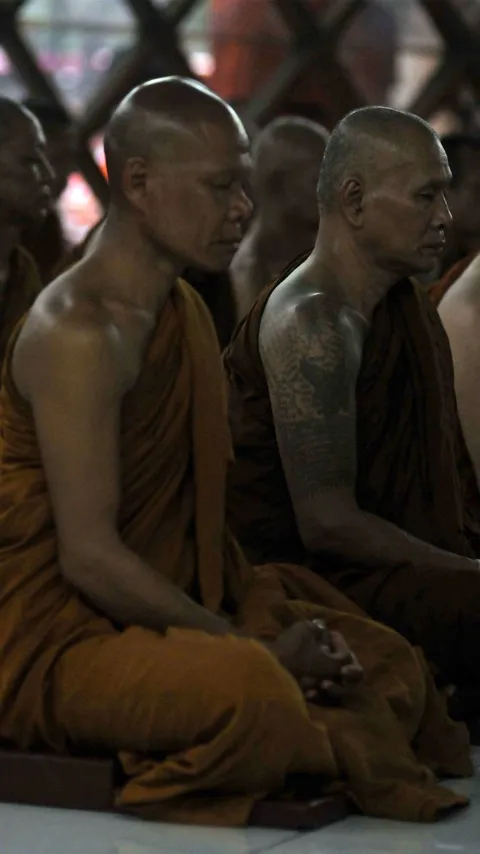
(459, 834)
(29, 830)
(32, 830)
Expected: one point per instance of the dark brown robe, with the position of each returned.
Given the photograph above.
(413, 470)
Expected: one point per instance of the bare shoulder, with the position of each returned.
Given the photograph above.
(68, 337)
(303, 319)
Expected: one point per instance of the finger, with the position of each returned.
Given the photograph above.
(341, 659)
(332, 691)
(352, 674)
(311, 696)
(339, 644)
(320, 631)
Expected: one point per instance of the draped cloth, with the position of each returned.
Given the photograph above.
(21, 291)
(203, 726)
(413, 470)
(440, 288)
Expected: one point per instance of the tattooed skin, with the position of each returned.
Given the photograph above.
(311, 355)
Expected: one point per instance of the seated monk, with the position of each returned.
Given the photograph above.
(349, 454)
(460, 314)
(286, 161)
(463, 196)
(25, 175)
(129, 618)
(47, 242)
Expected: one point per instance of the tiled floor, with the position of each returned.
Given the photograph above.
(25, 830)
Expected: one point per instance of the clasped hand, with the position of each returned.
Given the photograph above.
(320, 661)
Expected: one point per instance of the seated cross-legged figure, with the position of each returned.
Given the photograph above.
(350, 458)
(129, 618)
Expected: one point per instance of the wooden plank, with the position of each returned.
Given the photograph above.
(63, 782)
(300, 815)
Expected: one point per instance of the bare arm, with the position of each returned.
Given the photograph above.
(311, 357)
(74, 379)
(461, 320)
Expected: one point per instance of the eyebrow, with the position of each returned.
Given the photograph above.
(436, 183)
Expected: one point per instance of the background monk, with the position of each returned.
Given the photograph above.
(460, 314)
(47, 242)
(25, 195)
(463, 242)
(342, 405)
(128, 615)
(286, 161)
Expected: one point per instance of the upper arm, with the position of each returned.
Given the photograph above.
(462, 324)
(72, 379)
(311, 358)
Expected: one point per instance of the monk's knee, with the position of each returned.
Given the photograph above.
(264, 692)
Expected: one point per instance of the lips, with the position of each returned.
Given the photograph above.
(435, 247)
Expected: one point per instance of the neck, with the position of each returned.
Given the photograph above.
(138, 273)
(336, 258)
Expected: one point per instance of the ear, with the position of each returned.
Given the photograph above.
(352, 196)
(134, 181)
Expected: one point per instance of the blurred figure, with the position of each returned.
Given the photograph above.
(48, 243)
(287, 156)
(249, 41)
(25, 199)
(463, 152)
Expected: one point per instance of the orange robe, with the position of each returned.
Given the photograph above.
(204, 726)
(413, 470)
(21, 291)
(440, 288)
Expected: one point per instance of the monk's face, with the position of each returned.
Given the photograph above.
(405, 215)
(25, 173)
(196, 207)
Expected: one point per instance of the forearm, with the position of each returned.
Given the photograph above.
(370, 540)
(129, 592)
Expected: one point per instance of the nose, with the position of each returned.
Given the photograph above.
(242, 207)
(48, 172)
(443, 216)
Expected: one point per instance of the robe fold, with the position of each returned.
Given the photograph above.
(440, 288)
(413, 469)
(21, 290)
(203, 726)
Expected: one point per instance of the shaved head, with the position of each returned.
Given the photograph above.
(367, 143)
(176, 158)
(382, 189)
(25, 173)
(286, 139)
(159, 119)
(287, 156)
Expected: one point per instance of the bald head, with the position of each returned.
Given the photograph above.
(176, 158)
(285, 141)
(368, 143)
(159, 119)
(287, 156)
(25, 173)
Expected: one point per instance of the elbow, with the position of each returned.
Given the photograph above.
(77, 568)
(325, 534)
(85, 569)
